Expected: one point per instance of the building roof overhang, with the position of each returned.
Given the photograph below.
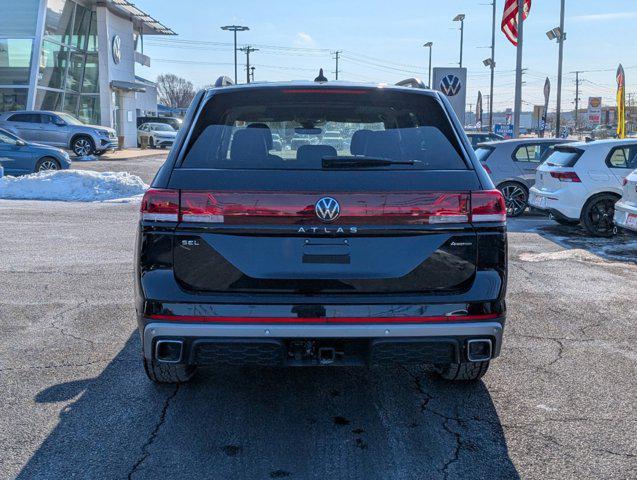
(143, 22)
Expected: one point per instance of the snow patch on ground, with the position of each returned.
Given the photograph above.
(74, 186)
(572, 254)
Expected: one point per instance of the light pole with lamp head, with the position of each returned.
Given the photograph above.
(460, 18)
(429, 44)
(235, 29)
(558, 34)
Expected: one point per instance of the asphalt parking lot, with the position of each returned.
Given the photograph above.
(561, 401)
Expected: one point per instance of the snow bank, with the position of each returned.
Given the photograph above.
(73, 186)
(572, 254)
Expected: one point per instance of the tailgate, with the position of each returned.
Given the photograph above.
(271, 241)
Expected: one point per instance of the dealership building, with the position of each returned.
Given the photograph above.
(78, 56)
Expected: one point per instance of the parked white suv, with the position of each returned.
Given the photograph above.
(626, 207)
(580, 182)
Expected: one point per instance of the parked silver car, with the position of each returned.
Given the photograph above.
(512, 164)
(159, 135)
(59, 129)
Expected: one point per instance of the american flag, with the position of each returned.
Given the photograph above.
(510, 19)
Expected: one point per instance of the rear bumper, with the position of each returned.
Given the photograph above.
(626, 216)
(373, 344)
(562, 203)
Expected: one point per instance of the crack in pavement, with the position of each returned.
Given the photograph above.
(61, 365)
(153, 434)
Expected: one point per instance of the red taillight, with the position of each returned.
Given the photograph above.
(566, 176)
(232, 208)
(325, 91)
(237, 208)
(160, 205)
(488, 206)
(486, 167)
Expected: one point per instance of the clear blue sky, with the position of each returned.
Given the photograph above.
(383, 42)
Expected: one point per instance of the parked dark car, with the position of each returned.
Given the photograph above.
(478, 137)
(393, 252)
(19, 157)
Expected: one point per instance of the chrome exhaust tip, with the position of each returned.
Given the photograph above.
(169, 351)
(479, 350)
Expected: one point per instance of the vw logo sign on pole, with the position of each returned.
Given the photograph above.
(450, 85)
(117, 49)
(327, 209)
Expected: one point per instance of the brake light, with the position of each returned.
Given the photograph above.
(488, 206)
(233, 208)
(160, 205)
(486, 167)
(566, 177)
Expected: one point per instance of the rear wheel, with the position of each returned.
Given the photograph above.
(516, 198)
(466, 371)
(168, 372)
(83, 146)
(47, 163)
(598, 214)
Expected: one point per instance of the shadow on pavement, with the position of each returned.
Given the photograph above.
(269, 423)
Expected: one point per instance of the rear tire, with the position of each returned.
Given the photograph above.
(463, 372)
(516, 198)
(168, 372)
(598, 213)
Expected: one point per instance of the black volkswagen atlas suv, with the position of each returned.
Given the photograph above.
(389, 249)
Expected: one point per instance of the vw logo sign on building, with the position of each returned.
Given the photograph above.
(327, 209)
(117, 49)
(450, 85)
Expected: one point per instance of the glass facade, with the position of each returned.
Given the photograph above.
(68, 68)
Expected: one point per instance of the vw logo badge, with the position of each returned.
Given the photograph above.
(327, 209)
(117, 49)
(450, 85)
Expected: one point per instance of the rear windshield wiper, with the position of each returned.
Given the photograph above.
(362, 162)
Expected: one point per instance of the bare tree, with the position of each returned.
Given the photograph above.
(174, 91)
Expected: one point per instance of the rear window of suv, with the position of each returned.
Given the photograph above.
(235, 130)
(563, 156)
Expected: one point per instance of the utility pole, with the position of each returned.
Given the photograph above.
(252, 73)
(336, 56)
(492, 65)
(518, 71)
(235, 29)
(560, 40)
(248, 49)
(577, 99)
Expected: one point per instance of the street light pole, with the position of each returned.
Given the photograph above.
(235, 29)
(429, 44)
(460, 18)
(560, 40)
(492, 65)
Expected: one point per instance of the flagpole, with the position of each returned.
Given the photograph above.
(518, 71)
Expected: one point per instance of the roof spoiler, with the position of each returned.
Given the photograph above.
(411, 82)
(223, 81)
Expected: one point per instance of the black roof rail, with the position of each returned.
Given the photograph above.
(224, 81)
(411, 82)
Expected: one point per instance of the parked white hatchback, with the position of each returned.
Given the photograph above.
(582, 181)
(626, 207)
